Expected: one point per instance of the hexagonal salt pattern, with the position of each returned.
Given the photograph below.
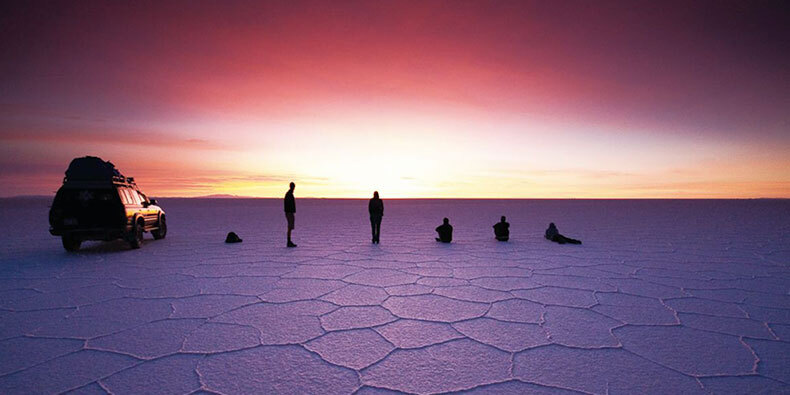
(662, 297)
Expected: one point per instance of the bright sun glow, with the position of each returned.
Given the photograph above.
(416, 99)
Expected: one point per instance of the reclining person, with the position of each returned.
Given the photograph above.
(502, 230)
(554, 235)
(445, 231)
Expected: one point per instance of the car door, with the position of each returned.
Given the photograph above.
(149, 212)
(140, 206)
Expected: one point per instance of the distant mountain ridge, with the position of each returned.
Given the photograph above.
(230, 196)
(222, 196)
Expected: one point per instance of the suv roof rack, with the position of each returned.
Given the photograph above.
(128, 181)
(93, 170)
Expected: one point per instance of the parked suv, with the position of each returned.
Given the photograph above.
(96, 202)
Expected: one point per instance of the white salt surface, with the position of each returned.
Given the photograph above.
(662, 297)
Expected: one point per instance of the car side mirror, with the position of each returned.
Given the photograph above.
(153, 201)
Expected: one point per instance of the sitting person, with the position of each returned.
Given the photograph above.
(502, 230)
(445, 231)
(554, 235)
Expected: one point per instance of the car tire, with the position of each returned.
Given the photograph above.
(71, 243)
(136, 238)
(161, 228)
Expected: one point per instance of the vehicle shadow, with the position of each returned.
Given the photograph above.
(101, 247)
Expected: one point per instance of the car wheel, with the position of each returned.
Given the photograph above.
(71, 243)
(161, 230)
(137, 234)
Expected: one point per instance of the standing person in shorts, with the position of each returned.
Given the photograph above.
(290, 209)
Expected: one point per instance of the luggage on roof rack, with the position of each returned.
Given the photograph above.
(94, 169)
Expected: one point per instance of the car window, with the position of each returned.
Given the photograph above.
(121, 193)
(105, 195)
(141, 197)
(134, 196)
(128, 196)
(86, 196)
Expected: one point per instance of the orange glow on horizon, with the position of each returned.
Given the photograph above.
(413, 99)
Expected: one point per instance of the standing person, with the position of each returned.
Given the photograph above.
(376, 210)
(445, 231)
(290, 209)
(502, 230)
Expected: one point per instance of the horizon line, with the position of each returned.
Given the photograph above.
(221, 197)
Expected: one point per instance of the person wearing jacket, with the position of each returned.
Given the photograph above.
(445, 231)
(554, 235)
(290, 209)
(376, 211)
(502, 230)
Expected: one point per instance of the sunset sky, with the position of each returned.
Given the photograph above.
(500, 99)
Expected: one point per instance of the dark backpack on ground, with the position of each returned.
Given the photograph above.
(233, 238)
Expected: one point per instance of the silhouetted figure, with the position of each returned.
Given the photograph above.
(290, 209)
(554, 235)
(445, 232)
(502, 230)
(376, 210)
(233, 238)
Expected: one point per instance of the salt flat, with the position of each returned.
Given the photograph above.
(662, 297)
